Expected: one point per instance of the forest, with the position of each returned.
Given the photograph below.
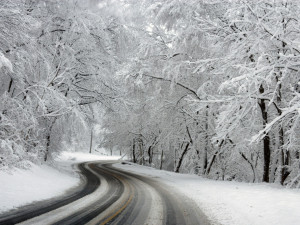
(207, 87)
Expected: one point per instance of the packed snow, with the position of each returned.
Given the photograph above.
(231, 203)
(38, 183)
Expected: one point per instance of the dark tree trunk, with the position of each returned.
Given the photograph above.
(150, 151)
(267, 156)
(285, 159)
(206, 141)
(10, 85)
(282, 169)
(207, 171)
(181, 157)
(48, 140)
(266, 139)
(211, 163)
(141, 148)
(150, 154)
(133, 151)
(284, 154)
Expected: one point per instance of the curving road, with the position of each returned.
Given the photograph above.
(111, 196)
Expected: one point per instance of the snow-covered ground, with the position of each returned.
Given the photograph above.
(233, 203)
(75, 157)
(223, 202)
(21, 187)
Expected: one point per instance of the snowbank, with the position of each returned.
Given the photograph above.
(21, 187)
(233, 203)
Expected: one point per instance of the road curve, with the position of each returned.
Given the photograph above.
(32, 210)
(112, 196)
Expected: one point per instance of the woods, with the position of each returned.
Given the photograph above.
(54, 66)
(204, 87)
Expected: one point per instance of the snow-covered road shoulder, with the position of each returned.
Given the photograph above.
(231, 203)
(21, 187)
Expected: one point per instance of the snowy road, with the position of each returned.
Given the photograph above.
(111, 196)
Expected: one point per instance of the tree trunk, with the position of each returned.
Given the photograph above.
(207, 171)
(284, 155)
(211, 163)
(285, 161)
(181, 157)
(141, 147)
(10, 85)
(133, 151)
(161, 159)
(48, 140)
(251, 165)
(150, 154)
(175, 156)
(266, 139)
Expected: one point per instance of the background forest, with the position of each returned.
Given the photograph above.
(199, 86)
